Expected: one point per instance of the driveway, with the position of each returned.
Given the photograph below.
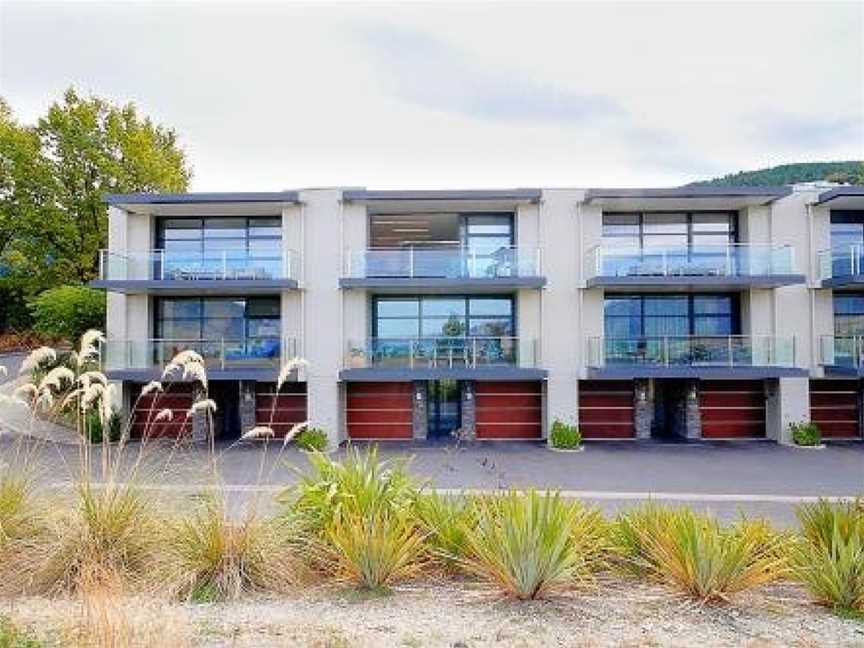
(755, 478)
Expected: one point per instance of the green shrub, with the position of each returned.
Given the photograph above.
(806, 434)
(68, 311)
(96, 430)
(565, 436)
(528, 545)
(311, 439)
(12, 636)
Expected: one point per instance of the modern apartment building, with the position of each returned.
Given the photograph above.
(715, 313)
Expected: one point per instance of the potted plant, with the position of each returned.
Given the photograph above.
(312, 440)
(806, 435)
(565, 437)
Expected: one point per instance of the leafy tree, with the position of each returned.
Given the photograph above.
(69, 311)
(52, 177)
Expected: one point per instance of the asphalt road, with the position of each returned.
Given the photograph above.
(751, 478)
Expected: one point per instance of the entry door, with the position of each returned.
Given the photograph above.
(444, 412)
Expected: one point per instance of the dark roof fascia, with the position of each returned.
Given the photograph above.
(849, 191)
(358, 195)
(200, 198)
(770, 193)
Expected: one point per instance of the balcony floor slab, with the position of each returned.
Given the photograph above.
(852, 282)
(625, 372)
(442, 284)
(674, 283)
(440, 373)
(199, 287)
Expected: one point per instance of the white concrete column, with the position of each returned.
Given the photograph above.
(788, 401)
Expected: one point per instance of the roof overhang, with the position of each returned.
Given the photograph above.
(197, 204)
(847, 197)
(703, 198)
(436, 200)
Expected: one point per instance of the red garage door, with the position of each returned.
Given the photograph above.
(834, 408)
(509, 410)
(606, 409)
(378, 410)
(280, 411)
(732, 409)
(177, 398)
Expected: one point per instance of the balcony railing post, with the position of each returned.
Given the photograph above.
(411, 262)
(162, 265)
(666, 351)
(224, 265)
(598, 257)
(473, 260)
(473, 352)
(222, 353)
(665, 262)
(729, 348)
(728, 260)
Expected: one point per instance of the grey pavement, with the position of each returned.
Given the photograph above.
(753, 478)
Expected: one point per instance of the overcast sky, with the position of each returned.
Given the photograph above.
(275, 96)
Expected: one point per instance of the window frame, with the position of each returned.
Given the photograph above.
(466, 315)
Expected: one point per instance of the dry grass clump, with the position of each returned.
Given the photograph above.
(111, 536)
(829, 557)
(528, 545)
(112, 620)
(211, 557)
(694, 554)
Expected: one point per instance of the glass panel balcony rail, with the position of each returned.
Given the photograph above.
(840, 262)
(221, 354)
(841, 351)
(442, 353)
(474, 262)
(733, 260)
(692, 351)
(161, 265)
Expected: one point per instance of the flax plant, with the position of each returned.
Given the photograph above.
(525, 544)
(695, 555)
(829, 558)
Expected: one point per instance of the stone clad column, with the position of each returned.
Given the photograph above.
(200, 424)
(248, 404)
(420, 419)
(468, 404)
(643, 408)
(692, 415)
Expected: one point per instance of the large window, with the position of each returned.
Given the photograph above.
(669, 230)
(637, 316)
(217, 318)
(220, 246)
(848, 314)
(450, 316)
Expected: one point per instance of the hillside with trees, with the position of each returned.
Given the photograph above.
(849, 172)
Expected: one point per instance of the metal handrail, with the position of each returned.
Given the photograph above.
(411, 261)
(851, 257)
(443, 351)
(226, 264)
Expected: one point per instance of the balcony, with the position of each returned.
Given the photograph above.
(440, 267)
(433, 358)
(842, 267)
(718, 267)
(692, 356)
(226, 272)
(842, 355)
(251, 359)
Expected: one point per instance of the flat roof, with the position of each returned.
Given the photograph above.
(846, 191)
(772, 193)
(145, 198)
(442, 194)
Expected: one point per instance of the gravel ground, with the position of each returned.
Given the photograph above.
(468, 616)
